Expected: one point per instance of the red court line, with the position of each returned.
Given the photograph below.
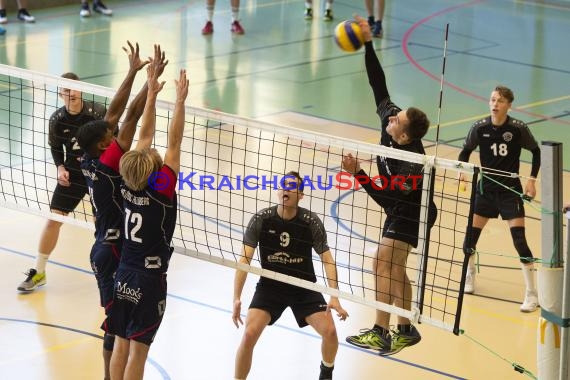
(406, 40)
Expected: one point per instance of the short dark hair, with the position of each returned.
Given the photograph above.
(295, 174)
(90, 134)
(506, 93)
(70, 75)
(419, 123)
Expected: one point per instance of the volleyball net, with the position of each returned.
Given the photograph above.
(231, 168)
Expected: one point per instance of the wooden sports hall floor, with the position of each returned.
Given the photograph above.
(288, 71)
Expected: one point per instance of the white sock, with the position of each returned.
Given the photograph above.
(327, 364)
(41, 261)
(235, 14)
(528, 274)
(209, 12)
(308, 5)
(328, 5)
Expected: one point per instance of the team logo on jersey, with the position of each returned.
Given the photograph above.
(507, 136)
(284, 239)
(152, 262)
(283, 258)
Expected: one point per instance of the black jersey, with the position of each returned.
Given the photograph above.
(104, 183)
(149, 221)
(62, 129)
(391, 168)
(285, 246)
(500, 149)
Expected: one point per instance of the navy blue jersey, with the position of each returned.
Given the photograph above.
(500, 149)
(104, 183)
(285, 246)
(62, 129)
(149, 221)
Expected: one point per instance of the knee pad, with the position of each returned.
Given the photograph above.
(108, 342)
(471, 239)
(519, 240)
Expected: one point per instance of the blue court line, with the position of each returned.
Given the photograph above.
(160, 370)
(212, 307)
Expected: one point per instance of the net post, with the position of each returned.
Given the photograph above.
(551, 274)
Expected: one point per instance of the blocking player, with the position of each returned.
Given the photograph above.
(100, 167)
(149, 203)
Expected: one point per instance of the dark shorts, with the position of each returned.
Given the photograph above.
(275, 299)
(104, 262)
(66, 198)
(491, 204)
(403, 223)
(139, 302)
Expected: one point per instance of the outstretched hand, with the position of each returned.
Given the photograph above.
(350, 164)
(159, 60)
(364, 27)
(135, 62)
(153, 71)
(181, 86)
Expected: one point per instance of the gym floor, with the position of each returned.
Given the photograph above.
(289, 71)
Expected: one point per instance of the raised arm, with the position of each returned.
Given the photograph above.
(176, 130)
(331, 273)
(129, 125)
(146, 133)
(239, 281)
(376, 76)
(119, 102)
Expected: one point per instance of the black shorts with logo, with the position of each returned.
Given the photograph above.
(139, 302)
(403, 222)
(276, 298)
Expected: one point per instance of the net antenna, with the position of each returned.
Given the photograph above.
(441, 81)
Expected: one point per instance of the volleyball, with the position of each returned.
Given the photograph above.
(348, 36)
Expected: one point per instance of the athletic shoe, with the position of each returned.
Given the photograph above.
(33, 281)
(328, 15)
(2, 31)
(24, 15)
(208, 28)
(401, 341)
(85, 11)
(236, 28)
(530, 302)
(308, 13)
(326, 372)
(377, 29)
(371, 339)
(3, 16)
(99, 7)
(371, 21)
(469, 282)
